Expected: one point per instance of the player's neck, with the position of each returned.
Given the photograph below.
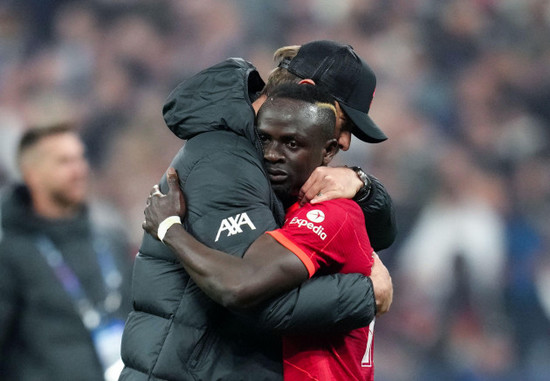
(288, 201)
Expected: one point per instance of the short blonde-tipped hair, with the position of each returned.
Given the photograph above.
(281, 75)
(36, 134)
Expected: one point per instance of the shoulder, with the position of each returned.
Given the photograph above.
(221, 142)
(334, 209)
(223, 153)
(335, 217)
(16, 217)
(16, 247)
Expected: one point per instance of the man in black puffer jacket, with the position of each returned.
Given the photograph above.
(175, 331)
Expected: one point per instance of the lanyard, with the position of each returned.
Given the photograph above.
(91, 315)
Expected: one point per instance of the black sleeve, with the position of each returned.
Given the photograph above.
(379, 215)
(339, 302)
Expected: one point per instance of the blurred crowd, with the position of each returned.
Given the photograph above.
(463, 94)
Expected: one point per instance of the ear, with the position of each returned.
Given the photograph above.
(330, 149)
(344, 140)
(307, 81)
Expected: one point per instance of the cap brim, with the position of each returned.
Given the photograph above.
(365, 128)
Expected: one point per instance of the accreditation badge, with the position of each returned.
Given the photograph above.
(107, 338)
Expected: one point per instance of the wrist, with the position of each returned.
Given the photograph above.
(365, 191)
(372, 294)
(165, 225)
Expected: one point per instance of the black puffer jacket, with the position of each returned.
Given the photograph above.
(175, 331)
(42, 337)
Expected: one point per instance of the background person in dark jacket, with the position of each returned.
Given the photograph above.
(62, 276)
(177, 332)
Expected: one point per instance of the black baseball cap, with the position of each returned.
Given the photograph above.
(346, 77)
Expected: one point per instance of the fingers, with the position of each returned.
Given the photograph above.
(148, 225)
(322, 196)
(315, 192)
(382, 284)
(313, 188)
(155, 191)
(149, 228)
(309, 189)
(173, 184)
(326, 183)
(173, 180)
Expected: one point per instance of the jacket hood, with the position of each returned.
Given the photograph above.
(218, 98)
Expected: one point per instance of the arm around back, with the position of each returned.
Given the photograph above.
(339, 302)
(379, 215)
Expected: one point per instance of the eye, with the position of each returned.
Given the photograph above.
(292, 144)
(263, 138)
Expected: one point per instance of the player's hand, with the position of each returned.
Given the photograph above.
(328, 183)
(383, 286)
(161, 206)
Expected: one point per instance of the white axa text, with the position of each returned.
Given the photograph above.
(233, 225)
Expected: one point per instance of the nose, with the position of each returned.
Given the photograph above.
(272, 152)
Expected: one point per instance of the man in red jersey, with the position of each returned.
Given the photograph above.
(296, 127)
(328, 238)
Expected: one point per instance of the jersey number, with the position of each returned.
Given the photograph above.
(367, 357)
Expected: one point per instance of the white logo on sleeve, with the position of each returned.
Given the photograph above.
(233, 225)
(315, 216)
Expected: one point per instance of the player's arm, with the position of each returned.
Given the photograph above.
(328, 183)
(267, 269)
(338, 302)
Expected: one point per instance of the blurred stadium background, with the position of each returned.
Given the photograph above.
(463, 93)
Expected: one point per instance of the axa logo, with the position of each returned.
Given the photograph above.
(315, 217)
(232, 225)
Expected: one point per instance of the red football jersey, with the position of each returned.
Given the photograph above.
(328, 238)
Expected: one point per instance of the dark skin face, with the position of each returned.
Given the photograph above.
(293, 144)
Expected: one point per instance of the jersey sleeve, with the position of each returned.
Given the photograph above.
(322, 235)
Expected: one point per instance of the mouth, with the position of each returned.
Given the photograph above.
(276, 175)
